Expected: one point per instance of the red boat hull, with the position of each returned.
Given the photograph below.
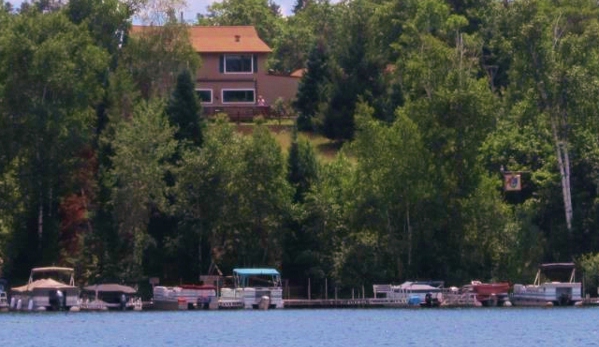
(491, 294)
(491, 288)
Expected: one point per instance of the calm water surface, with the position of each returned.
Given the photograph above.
(294, 328)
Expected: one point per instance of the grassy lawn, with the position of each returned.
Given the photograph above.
(325, 148)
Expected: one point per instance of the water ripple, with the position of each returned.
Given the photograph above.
(305, 328)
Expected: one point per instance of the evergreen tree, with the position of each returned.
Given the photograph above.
(359, 74)
(312, 87)
(300, 5)
(183, 110)
(302, 167)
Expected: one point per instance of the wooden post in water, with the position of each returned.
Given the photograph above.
(309, 290)
(352, 293)
(363, 293)
(326, 289)
(336, 292)
(287, 288)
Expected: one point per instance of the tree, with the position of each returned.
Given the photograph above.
(184, 110)
(302, 167)
(156, 12)
(325, 223)
(263, 14)
(155, 56)
(298, 34)
(300, 5)
(391, 186)
(554, 71)
(142, 148)
(208, 191)
(454, 107)
(265, 198)
(107, 22)
(495, 245)
(357, 71)
(312, 90)
(299, 248)
(50, 73)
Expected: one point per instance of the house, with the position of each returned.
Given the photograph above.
(233, 74)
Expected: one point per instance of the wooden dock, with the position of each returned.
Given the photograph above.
(344, 303)
(449, 300)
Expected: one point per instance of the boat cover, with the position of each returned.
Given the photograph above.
(52, 269)
(564, 266)
(255, 271)
(110, 288)
(46, 283)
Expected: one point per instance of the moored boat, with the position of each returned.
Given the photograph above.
(258, 288)
(554, 285)
(426, 294)
(185, 297)
(491, 294)
(49, 288)
(110, 296)
(3, 296)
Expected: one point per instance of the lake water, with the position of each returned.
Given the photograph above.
(294, 328)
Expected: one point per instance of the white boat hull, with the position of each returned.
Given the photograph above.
(133, 304)
(252, 298)
(547, 294)
(177, 298)
(42, 300)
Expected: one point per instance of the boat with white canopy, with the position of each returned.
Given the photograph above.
(555, 285)
(258, 288)
(49, 288)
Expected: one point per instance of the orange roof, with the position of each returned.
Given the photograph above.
(221, 39)
(227, 39)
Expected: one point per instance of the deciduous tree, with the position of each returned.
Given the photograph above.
(142, 148)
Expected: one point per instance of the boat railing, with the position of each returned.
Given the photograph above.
(136, 303)
(452, 297)
(381, 290)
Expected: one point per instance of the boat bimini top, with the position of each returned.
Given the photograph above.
(256, 277)
(66, 273)
(556, 272)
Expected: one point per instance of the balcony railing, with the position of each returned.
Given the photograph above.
(240, 113)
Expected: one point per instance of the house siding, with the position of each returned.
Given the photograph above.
(271, 87)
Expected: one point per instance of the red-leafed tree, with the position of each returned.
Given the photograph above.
(75, 215)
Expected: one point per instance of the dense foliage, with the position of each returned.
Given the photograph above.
(106, 167)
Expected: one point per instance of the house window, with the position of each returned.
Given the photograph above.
(238, 96)
(239, 63)
(205, 95)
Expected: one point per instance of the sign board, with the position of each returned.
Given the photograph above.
(512, 182)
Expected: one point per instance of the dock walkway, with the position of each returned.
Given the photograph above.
(344, 303)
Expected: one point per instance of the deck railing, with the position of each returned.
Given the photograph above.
(240, 113)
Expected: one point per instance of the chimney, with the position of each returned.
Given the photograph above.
(237, 38)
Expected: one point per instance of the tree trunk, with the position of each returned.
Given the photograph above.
(409, 236)
(40, 221)
(563, 161)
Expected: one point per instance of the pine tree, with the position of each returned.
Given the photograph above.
(312, 87)
(302, 167)
(184, 110)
